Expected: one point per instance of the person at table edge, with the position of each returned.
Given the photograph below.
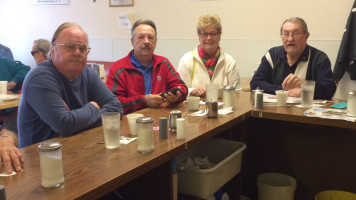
(61, 96)
(9, 153)
(285, 67)
(14, 72)
(139, 78)
(40, 50)
(5, 52)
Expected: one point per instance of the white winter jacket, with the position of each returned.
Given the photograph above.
(226, 71)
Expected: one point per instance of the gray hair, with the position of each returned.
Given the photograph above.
(296, 20)
(43, 45)
(64, 26)
(143, 21)
(209, 20)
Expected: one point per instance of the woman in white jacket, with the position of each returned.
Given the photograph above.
(208, 63)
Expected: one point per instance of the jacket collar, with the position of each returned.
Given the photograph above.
(303, 57)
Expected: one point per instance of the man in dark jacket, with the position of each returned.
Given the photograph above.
(285, 67)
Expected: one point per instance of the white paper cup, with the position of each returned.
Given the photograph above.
(192, 103)
(282, 96)
(131, 118)
(111, 127)
(3, 87)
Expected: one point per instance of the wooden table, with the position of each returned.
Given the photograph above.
(10, 104)
(318, 153)
(278, 140)
(91, 170)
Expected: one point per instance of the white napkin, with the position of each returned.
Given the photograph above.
(225, 111)
(270, 98)
(219, 103)
(126, 140)
(198, 113)
(7, 97)
(319, 101)
(3, 173)
(314, 105)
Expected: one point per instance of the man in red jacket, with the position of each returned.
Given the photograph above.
(141, 79)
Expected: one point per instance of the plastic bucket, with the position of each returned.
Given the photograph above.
(335, 195)
(272, 186)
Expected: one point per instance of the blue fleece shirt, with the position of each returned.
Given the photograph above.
(42, 112)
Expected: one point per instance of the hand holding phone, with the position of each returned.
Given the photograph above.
(173, 91)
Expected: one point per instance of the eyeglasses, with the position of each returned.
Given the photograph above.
(70, 47)
(143, 37)
(293, 34)
(212, 34)
(33, 52)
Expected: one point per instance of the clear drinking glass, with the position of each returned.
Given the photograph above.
(212, 91)
(307, 93)
(111, 126)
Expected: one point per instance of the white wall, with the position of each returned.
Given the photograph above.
(250, 27)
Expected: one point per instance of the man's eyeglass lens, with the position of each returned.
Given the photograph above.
(293, 34)
(70, 47)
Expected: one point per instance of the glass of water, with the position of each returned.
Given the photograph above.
(111, 127)
(307, 93)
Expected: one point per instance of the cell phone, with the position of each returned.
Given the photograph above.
(173, 91)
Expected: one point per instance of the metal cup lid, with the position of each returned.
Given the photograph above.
(144, 120)
(49, 146)
(175, 112)
(211, 102)
(229, 88)
(257, 90)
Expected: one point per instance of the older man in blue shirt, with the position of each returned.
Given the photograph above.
(62, 97)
